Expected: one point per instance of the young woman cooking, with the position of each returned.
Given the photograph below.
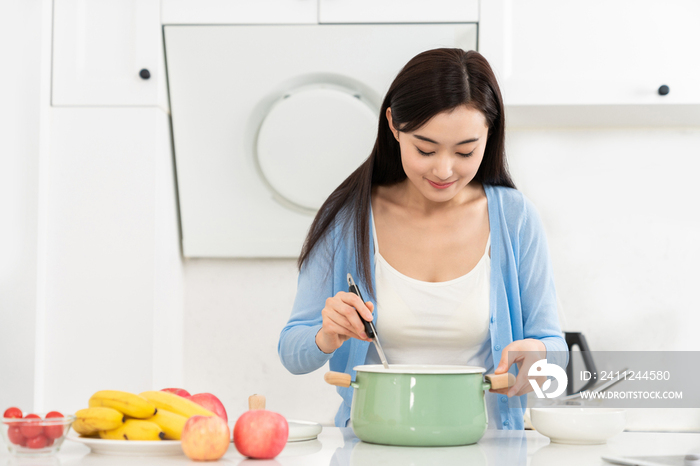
(452, 257)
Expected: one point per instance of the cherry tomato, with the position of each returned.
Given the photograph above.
(53, 431)
(40, 441)
(31, 429)
(13, 412)
(50, 442)
(15, 436)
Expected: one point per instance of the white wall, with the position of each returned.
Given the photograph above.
(20, 67)
(622, 213)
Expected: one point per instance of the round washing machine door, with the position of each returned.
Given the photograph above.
(311, 140)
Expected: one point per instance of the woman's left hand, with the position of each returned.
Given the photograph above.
(532, 351)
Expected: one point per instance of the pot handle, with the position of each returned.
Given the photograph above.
(339, 379)
(498, 381)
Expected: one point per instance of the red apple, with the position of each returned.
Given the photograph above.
(260, 434)
(210, 402)
(178, 391)
(205, 438)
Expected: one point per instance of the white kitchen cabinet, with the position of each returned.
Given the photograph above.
(114, 304)
(398, 11)
(602, 60)
(100, 49)
(239, 12)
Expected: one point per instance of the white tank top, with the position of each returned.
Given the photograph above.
(432, 323)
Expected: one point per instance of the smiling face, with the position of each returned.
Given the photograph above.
(442, 157)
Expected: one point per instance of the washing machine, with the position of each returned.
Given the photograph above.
(269, 119)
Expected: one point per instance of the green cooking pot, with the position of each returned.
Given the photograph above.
(419, 405)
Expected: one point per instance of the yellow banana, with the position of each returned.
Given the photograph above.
(124, 402)
(82, 428)
(170, 423)
(88, 421)
(134, 429)
(176, 404)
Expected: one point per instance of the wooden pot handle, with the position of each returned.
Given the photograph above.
(256, 402)
(499, 381)
(339, 379)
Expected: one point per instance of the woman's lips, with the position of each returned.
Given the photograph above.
(440, 186)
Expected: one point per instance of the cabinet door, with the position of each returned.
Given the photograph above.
(112, 259)
(240, 12)
(100, 49)
(599, 52)
(398, 11)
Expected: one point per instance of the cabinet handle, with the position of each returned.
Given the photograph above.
(664, 89)
(145, 74)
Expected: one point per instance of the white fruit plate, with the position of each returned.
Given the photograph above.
(129, 447)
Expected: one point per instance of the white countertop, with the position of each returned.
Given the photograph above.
(339, 447)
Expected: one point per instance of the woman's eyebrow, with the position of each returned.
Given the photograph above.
(423, 138)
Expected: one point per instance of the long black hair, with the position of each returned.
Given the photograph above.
(432, 82)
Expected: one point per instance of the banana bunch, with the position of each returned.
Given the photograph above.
(117, 415)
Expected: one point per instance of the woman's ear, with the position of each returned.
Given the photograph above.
(391, 123)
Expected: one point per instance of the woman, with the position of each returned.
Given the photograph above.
(463, 276)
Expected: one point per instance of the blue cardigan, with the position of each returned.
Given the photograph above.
(522, 302)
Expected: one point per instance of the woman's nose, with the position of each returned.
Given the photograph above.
(443, 167)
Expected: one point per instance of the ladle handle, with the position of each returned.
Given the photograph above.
(352, 288)
(339, 379)
(499, 381)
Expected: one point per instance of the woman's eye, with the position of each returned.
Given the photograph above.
(431, 153)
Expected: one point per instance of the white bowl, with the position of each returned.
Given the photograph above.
(578, 426)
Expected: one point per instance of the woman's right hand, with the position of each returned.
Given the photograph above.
(340, 321)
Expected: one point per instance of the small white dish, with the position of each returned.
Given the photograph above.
(303, 430)
(299, 431)
(129, 447)
(578, 426)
